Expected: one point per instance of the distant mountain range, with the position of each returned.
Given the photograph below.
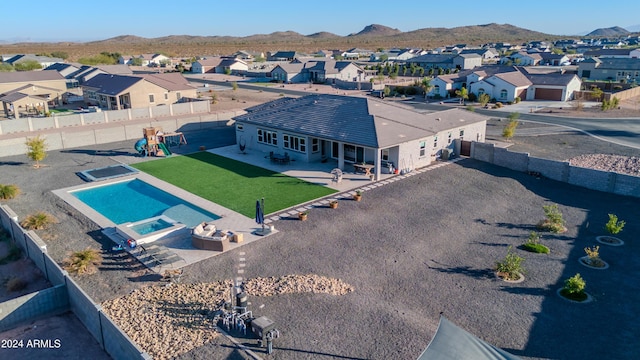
(372, 37)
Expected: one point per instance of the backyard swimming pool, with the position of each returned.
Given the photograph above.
(134, 200)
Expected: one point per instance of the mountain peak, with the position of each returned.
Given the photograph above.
(377, 30)
(612, 31)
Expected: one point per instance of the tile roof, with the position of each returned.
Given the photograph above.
(551, 79)
(515, 78)
(433, 58)
(169, 81)
(109, 84)
(26, 76)
(355, 120)
(616, 63)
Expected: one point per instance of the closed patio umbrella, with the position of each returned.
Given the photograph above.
(260, 216)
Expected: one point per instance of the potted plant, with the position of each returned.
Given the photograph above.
(510, 269)
(303, 215)
(593, 258)
(573, 289)
(613, 227)
(358, 195)
(333, 204)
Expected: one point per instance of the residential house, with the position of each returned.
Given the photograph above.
(323, 54)
(77, 73)
(321, 71)
(503, 87)
(354, 130)
(282, 56)
(289, 73)
(447, 61)
(356, 53)
(552, 59)
(25, 91)
(610, 69)
(553, 86)
(522, 58)
(153, 60)
(44, 61)
(205, 65)
(612, 53)
(394, 55)
(116, 92)
(486, 53)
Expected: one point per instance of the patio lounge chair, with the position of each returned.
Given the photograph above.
(205, 236)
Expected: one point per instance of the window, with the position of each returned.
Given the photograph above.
(178, 96)
(480, 91)
(239, 127)
(385, 154)
(294, 143)
(423, 146)
(268, 137)
(461, 133)
(436, 89)
(151, 100)
(166, 96)
(435, 142)
(449, 139)
(503, 94)
(315, 145)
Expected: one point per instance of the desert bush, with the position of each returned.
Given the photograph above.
(574, 288)
(36, 149)
(38, 221)
(594, 256)
(498, 105)
(553, 219)
(614, 226)
(8, 191)
(15, 283)
(83, 262)
(471, 108)
(509, 130)
(511, 265)
(484, 99)
(533, 244)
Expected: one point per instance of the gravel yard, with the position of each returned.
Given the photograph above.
(409, 251)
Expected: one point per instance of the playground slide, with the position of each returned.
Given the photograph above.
(164, 149)
(140, 147)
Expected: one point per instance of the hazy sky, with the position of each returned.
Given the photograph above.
(39, 20)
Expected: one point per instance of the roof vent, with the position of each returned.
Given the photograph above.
(315, 101)
(437, 119)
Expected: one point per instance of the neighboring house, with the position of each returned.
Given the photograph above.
(44, 61)
(31, 91)
(205, 65)
(522, 58)
(447, 61)
(77, 73)
(553, 86)
(553, 59)
(116, 92)
(244, 55)
(321, 71)
(443, 85)
(487, 53)
(282, 56)
(323, 54)
(503, 87)
(350, 130)
(396, 55)
(614, 69)
(154, 60)
(612, 53)
(232, 66)
(289, 73)
(65, 69)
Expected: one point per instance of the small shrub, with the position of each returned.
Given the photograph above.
(574, 288)
(594, 256)
(8, 191)
(38, 221)
(517, 100)
(511, 266)
(533, 244)
(83, 262)
(554, 221)
(15, 284)
(471, 108)
(614, 226)
(510, 129)
(498, 105)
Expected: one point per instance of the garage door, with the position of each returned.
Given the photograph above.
(548, 94)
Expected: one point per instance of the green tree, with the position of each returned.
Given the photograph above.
(463, 94)
(27, 65)
(425, 84)
(614, 226)
(136, 61)
(36, 149)
(384, 57)
(484, 99)
(557, 51)
(386, 91)
(597, 93)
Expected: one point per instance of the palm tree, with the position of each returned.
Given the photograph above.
(425, 84)
(463, 93)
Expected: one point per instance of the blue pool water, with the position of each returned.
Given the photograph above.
(151, 226)
(135, 200)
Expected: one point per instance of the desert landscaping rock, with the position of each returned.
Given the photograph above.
(173, 319)
(613, 163)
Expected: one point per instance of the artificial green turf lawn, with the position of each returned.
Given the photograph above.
(233, 184)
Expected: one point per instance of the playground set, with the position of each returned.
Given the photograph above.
(155, 142)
